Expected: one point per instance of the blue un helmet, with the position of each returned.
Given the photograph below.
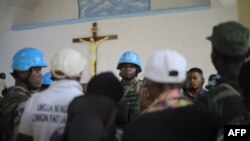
(26, 58)
(47, 78)
(130, 57)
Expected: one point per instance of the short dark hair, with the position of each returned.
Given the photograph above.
(212, 76)
(106, 84)
(195, 69)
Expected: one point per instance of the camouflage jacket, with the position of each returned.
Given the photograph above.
(131, 95)
(13, 106)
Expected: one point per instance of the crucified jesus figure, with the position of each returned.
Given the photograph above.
(93, 52)
(93, 42)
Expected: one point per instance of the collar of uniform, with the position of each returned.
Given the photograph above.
(229, 79)
(133, 82)
(65, 83)
(21, 84)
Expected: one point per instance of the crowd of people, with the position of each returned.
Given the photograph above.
(170, 103)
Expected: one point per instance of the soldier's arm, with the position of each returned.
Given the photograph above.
(11, 102)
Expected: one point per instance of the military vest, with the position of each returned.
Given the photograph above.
(131, 96)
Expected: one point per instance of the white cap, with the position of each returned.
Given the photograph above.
(166, 66)
(67, 63)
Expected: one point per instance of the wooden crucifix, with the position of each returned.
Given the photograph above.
(93, 42)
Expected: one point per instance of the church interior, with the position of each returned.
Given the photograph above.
(142, 26)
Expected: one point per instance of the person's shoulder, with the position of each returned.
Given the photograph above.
(221, 89)
(203, 91)
(38, 96)
(90, 101)
(16, 93)
(139, 81)
(12, 100)
(78, 100)
(138, 85)
(224, 90)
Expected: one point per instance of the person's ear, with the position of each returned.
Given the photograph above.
(23, 75)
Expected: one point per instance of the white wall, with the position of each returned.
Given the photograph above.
(183, 31)
(55, 10)
(44, 11)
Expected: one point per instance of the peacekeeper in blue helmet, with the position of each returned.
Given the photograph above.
(27, 64)
(47, 81)
(130, 66)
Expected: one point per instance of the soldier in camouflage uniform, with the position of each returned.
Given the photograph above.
(26, 65)
(129, 66)
(229, 50)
